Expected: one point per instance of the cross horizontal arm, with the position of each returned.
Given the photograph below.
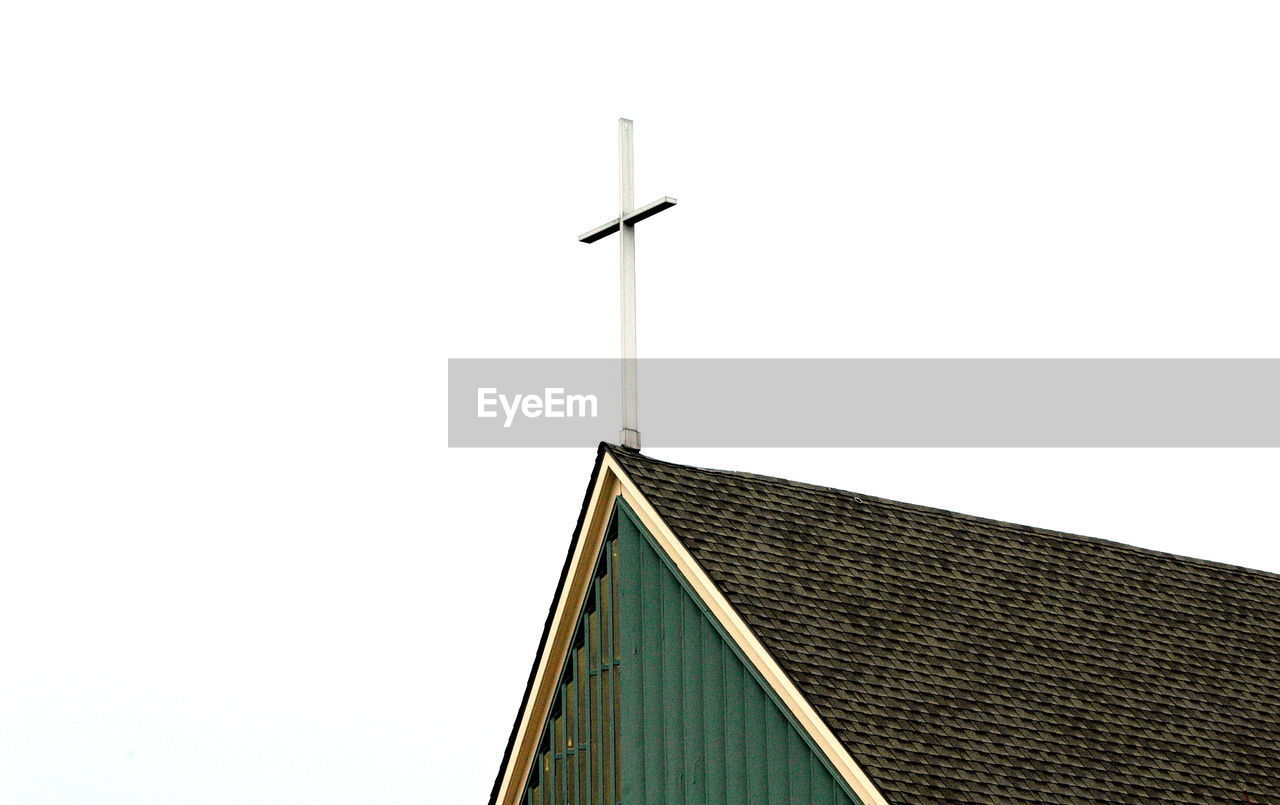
(648, 210)
(633, 217)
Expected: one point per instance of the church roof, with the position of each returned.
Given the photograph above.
(967, 660)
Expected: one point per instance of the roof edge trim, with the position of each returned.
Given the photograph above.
(540, 687)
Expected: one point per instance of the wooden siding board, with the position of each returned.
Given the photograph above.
(595, 658)
(673, 686)
(557, 760)
(587, 747)
(615, 654)
(735, 730)
(568, 721)
(776, 756)
(799, 759)
(650, 668)
(692, 713)
(632, 759)
(713, 699)
(755, 757)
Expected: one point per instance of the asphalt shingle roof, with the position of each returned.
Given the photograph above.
(966, 660)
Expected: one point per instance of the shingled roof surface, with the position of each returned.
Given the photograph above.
(966, 660)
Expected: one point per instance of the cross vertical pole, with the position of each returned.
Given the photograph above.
(625, 225)
(627, 239)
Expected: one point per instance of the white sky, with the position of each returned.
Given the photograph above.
(238, 562)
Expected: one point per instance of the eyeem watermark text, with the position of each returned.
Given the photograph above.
(779, 402)
(553, 403)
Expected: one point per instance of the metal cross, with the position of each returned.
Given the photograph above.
(625, 224)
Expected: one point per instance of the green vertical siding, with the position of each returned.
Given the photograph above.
(698, 726)
(656, 707)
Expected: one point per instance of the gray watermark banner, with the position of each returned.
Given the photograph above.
(870, 403)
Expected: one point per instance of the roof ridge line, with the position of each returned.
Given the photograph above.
(861, 497)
